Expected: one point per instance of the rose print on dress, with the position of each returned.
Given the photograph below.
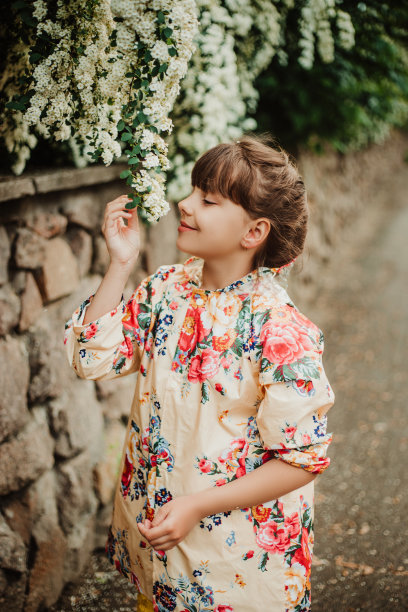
(290, 536)
(250, 379)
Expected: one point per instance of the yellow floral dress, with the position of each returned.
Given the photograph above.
(227, 380)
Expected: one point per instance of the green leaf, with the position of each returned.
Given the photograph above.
(28, 20)
(124, 173)
(167, 32)
(173, 51)
(163, 67)
(34, 57)
(121, 125)
(133, 161)
(135, 200)
(18, 5)
(160, 17)
(15, 106)
(126, 136)
(130, 205)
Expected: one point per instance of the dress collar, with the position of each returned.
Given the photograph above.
(193, 268)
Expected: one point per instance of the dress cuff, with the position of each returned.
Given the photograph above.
(90, 330)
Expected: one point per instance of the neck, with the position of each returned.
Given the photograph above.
(219, 273)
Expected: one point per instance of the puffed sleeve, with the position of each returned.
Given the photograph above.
(291, 416)
(111, 346)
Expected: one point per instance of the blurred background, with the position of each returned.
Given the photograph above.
(329, 80)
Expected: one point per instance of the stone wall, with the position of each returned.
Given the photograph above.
(61, 436)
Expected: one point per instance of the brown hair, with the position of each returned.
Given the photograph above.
(266, 182)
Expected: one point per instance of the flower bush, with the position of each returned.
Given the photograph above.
(236, 41)
(99, 74)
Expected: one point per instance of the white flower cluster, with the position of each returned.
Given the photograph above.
(237, 39)
(316, 23)
(81, 87)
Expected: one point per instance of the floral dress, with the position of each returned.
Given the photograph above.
(227, 380)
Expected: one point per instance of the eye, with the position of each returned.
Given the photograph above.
(208, 201)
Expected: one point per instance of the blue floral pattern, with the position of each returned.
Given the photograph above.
(226, 380)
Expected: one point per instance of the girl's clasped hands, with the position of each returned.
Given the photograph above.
(171, 524)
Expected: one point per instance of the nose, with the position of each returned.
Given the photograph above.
(185, 207)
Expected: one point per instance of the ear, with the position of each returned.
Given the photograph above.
(257, 233)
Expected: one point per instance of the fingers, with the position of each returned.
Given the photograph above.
(115, 212)
(162, 541)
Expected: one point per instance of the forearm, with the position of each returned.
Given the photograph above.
(109, 292)
(269, 481)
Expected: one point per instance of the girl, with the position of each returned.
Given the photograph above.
(227, 428)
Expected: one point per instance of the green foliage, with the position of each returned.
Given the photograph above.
(349, 102)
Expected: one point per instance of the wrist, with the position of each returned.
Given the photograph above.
(205, 502)
(122, 268)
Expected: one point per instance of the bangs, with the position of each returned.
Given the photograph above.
(223, 169)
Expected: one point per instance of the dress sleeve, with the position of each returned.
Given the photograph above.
(112, 345)
(291, 416)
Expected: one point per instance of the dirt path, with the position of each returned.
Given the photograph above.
(361, 550)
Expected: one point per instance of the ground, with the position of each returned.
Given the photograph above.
(361, 544)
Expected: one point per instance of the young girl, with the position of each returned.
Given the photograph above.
(227, 428)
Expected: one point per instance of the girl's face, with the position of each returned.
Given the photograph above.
(219, 225)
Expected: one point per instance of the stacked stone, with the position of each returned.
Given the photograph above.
(61, 437)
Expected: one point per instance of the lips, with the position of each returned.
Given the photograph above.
(184, 224)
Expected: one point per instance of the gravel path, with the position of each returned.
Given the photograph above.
(361, 549)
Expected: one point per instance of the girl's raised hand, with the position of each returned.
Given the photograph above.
(123, 241)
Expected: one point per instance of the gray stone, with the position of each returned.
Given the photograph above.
(12, 590)
(102, 522)
(29, 454)
(59, 273)
(9, 309)
(46, 223)
(12, 550)
(76, 420)
(84, 207)
(30, 249)
(75, 496)
(47, 578)
(101, 256)
(107, 470)
(34, 506)
(12, 187)
(161, 242)
(4, 254)
(48, 361)
(31, 303)
(81, 244)
(14, 377)
(79, 547)
(67, 178)
(18, 279)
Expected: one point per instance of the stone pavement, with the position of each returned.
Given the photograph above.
(361, 527)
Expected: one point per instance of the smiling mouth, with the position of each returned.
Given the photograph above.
(183, 224)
